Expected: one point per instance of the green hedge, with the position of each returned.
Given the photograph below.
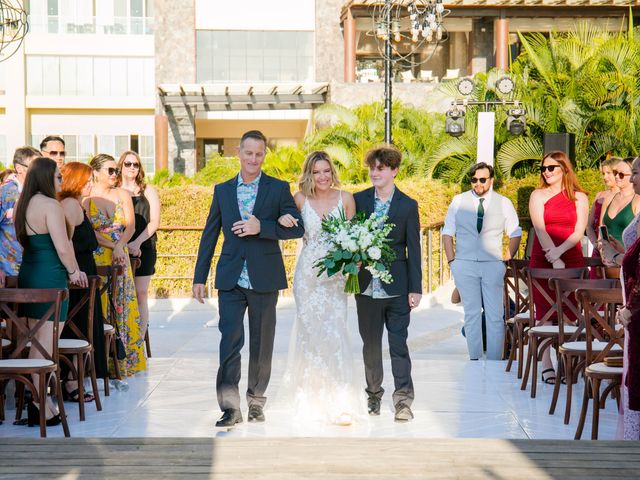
(188, 205)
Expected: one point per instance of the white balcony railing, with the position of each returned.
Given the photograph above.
(91, 25)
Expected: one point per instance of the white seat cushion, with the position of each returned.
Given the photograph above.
(602, 368)
(553, 329)
(25, 363)
(582, 346)
(108, 327)
(5, 342)
(72, 343)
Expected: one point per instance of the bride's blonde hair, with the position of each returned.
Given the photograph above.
(306, 183)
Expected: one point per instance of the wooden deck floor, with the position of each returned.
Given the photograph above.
(315, 458)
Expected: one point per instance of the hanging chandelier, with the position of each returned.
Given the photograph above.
(13, 27)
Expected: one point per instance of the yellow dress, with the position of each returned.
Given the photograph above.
(127, 315)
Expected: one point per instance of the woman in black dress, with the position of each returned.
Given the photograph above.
(146, 206)
(76, 184)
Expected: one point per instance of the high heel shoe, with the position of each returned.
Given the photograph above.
(33, 416)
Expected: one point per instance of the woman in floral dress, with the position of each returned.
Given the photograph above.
(110, 211)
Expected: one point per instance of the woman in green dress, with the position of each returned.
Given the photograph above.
(619, 209)
(47, 260)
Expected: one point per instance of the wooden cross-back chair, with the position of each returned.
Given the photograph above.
(598, 308)
(572, 350)
(515, 287)
(111, 272)
(20, 369)
(78, 353)
(542, 337)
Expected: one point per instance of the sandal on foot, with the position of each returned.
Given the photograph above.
(551, 378)
(74, 396)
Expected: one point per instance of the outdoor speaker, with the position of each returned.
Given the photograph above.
(564, 142)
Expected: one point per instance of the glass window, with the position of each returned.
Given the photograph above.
(34, 75)
(149, 76)
(101, 77)
(146, 149)
(70, 147)
(118, 75)
(51, 75)
(135, 77)
(254, 56)
(107, 144)
(121, 144)
(84, 75)
(85, 148)
(68, 76)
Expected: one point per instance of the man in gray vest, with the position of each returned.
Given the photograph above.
(478, 218)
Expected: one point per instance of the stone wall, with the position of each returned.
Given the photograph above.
(175, 53)
(329, 41)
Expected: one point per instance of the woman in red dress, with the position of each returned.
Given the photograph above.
(559, 209)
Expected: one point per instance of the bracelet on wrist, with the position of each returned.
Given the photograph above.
(72, 273)
(449, 261)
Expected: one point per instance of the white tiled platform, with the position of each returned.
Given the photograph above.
(455, 398)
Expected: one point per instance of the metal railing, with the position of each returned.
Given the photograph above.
(434, 267)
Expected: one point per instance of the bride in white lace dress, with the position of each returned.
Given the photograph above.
(318, 384)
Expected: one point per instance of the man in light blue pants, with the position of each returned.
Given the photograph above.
(477, 219)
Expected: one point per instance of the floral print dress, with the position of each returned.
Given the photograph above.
(127, 315)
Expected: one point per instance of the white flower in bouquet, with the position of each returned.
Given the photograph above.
(374, 252)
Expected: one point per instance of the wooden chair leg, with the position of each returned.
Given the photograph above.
(534, 366)
(63, 413)
(556, 387)
(595, 418)
(19, 396)
(569, 376)
(114, 353)
(91, 369)
(107, 352)
(527, 369)
(583, 410)
(521, 341)
(80, 372)
(514, 347)
(147, 342)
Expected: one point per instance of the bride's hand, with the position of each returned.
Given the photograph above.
(288, 221)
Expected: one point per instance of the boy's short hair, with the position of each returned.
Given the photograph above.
(388, 155)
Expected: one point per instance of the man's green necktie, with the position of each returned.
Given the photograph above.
(480, 215)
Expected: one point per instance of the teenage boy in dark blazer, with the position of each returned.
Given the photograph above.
(383, 305)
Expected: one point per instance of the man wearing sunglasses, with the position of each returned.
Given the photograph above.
(477, 219)
(53, 147)
(10, 249)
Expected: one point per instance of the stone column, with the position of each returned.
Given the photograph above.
(175, 55)
(501, 29)
(329, 46)
(349, 32)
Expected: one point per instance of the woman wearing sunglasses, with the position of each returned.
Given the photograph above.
(606, 169)
(619, 209)
(559, 209)
(146, 207)
(110, 211)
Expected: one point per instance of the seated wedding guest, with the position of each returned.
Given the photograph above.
(559, 209)
(478, 219)
(146, 206)
(48, 260)
(76, 185)
(53, 147)
(606, 169)
(5, 174)
(10, 249)
(110, 211)
(629, 316)
(619, 209)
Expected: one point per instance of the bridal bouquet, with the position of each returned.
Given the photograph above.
(359, 241)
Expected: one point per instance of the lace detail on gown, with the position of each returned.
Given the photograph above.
(318, 384)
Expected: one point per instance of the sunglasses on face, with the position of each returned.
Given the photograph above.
(550, 168)
(620, 175)
(131, 164)
(113, 171)
(482, 180)
(55, 153)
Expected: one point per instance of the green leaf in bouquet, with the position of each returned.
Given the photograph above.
(332, 271)
(356, 258)
(337, 255)
(351, 267)
(380, 267)
(328, 263)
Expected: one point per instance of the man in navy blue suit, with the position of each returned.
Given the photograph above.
(249, 273)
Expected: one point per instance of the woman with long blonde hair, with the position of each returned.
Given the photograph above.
(319, 380)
